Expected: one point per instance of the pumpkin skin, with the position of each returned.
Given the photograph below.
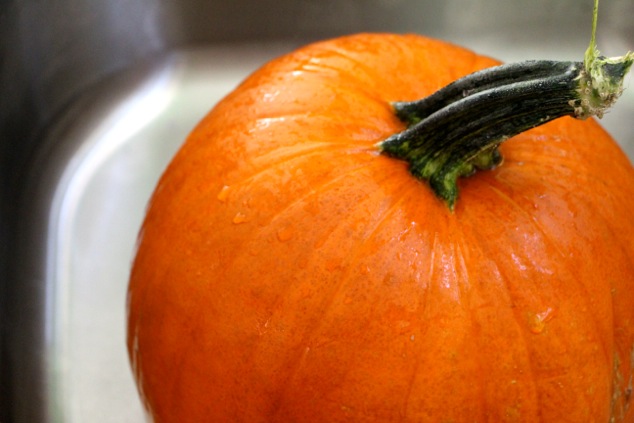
(288, 272)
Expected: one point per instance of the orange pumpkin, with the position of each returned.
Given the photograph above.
(289, 272)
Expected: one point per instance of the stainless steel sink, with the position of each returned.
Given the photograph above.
(95, 97)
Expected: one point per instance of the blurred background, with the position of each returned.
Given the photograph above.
(96, 95)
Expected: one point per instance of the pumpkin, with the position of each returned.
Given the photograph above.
(289, 271)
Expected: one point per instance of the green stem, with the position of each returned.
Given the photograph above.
(458, 129)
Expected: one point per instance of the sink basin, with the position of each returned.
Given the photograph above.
(98, 95)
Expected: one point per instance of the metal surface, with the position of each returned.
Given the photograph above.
(87, 132)
(116, 142)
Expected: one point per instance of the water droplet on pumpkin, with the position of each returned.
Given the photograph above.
(223, 194)
(239, 218)
(285, 234)
(537, 321)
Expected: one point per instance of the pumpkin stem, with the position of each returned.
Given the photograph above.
(457, 130)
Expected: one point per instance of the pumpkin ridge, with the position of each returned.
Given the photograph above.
(458, 255)
(519, 313)
(509, 199)
(598, 212)
(288, 154)
(412, 379)
(315, 190)
(560, 155)
(311, 189)
(552, 242)
(335, 293)
(484, 362)
(347, 55)
(259, 167)
(520, 322)
(355, 84)
(597, 330)
(319, 118)
(358, 57)
(460, 251)
(622, 384)
(335, 105)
